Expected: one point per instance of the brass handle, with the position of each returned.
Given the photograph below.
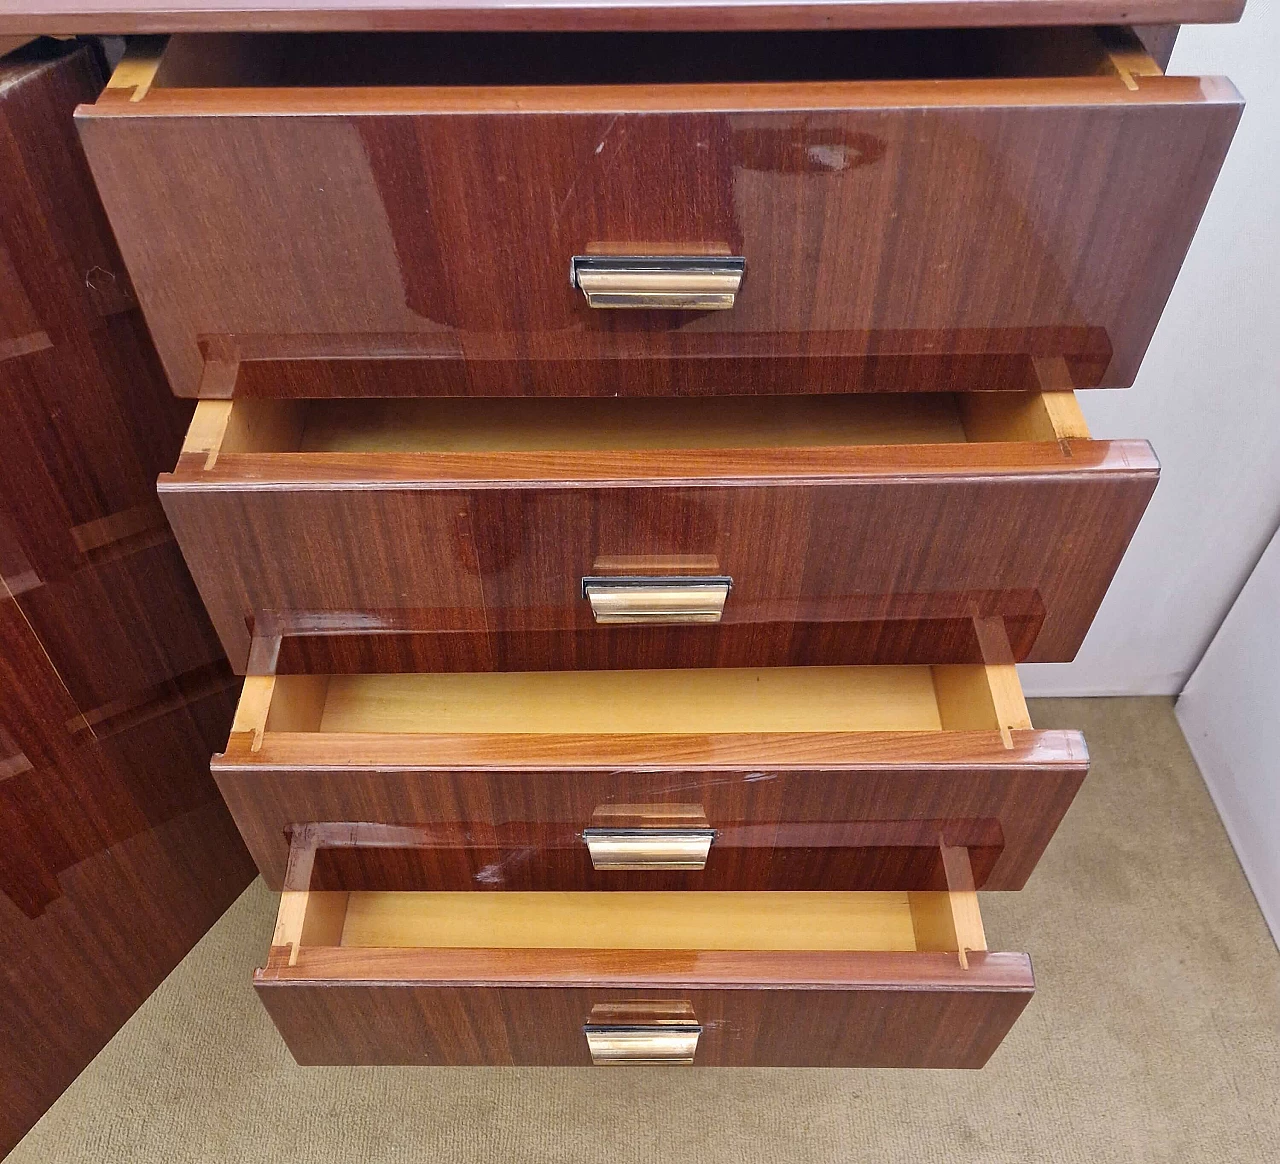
(683, 282)
(638, 1045)
(657, 600)
(649, 848)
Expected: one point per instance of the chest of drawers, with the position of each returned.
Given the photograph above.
(630, 460)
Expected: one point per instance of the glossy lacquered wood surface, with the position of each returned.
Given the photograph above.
(527, 1007)
(927, 234)
(116, 852)
(857, 811)
(894, 979)
(838, 555)
(104, 16)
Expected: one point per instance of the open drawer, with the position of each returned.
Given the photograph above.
(493, 215)
(438, 535)
(571, 979)
(777, 779)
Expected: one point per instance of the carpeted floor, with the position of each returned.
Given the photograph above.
(1154, 1035)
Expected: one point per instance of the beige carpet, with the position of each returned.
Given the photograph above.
(1154, 1036)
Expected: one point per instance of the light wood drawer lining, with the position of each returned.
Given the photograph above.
(549, 424)
(912, 922)
(958, 697)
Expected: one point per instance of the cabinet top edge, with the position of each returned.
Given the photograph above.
(70, 17)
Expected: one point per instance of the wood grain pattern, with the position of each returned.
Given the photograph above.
(101, 16)
(375, 246)
(641, 921)
(485, 1007)
(684, 701)
(919, 761)
(915, 964)
(853, 811)
(474, 560)
(116, 852)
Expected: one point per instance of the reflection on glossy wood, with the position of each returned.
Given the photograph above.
(90, 16)
(374, 227)
(888, 633)
(863, 808)
(865, 1010)
(486, 551)
(914, 964)
(116, 853)
(843, 979)
(499, 828)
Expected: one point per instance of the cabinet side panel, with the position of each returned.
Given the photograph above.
(116, 852)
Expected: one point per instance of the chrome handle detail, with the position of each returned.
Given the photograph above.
(656, 600)
(636, 1045)
(649, 848)
(683, 282)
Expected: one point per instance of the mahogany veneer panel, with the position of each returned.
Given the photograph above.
(416, 240)
(101, 16)
(757, 1010)
(861, 811)
(820, 980)
(116, 852)
(900, 546)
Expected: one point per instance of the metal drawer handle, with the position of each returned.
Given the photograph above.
(639, 1045)
(649, 848)
(684, 282)
(656, 600)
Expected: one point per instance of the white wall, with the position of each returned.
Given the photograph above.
(1208, 399)
(1230, 714)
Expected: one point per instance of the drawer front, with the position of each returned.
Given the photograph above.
(774, 980)
(859, 812)
(877, 555)
(929, 1016)
(419, 241)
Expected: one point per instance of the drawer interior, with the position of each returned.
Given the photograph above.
(279, 61)
(958, 697)
(909, 921)
(437, 425)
